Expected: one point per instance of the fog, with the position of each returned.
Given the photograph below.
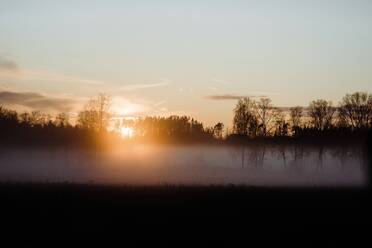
(257, 165)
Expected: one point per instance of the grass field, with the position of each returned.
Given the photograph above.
(166, 214)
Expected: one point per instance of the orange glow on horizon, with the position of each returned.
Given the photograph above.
(126, 132)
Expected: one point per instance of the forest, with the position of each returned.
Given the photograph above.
(254, 120)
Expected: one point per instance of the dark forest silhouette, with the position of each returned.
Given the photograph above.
(254, 120)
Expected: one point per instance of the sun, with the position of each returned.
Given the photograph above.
(126, 132)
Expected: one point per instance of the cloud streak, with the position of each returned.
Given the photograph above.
(133, 87)
(7, 65)
(37, 101)
(229, 97)
(10, 70)
(31, 75)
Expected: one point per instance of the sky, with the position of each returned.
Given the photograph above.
(182, 57)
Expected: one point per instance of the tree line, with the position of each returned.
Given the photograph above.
(259, 118)
(253, 119)
(39, 128)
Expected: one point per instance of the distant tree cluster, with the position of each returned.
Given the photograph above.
(252, 119)
(261, 119)
(92, 125)
(258, 119)
(41, 128)
(173, 128)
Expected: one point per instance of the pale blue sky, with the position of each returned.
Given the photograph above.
(164, 57)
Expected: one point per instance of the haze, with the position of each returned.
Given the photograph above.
(190, 165)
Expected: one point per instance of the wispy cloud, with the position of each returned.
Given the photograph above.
(7, 64)
(157, 104)
(36, 101)
(123, 107)
(224, 97)
(132, 87)
(10, 70)
(32, 75)
(230, 97)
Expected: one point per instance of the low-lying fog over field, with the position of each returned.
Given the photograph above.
(256, 165)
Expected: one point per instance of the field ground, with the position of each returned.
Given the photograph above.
(180, 215)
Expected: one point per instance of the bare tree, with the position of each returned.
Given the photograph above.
(281, 124)
(96, 114)
(103, 103)
(266, 114)
(321, 113)
(355, 110)
(296, 114)
(8, 118)
(245, 122)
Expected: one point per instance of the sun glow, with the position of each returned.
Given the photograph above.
(126, 132)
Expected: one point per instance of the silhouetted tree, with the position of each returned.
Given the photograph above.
(172, 128)
(88, 119)
(8, 118)
(296, 114)
(356, 110)
(245, 121)
(217, 130)
(266, 115)
(96, 114)
(321, 113)
(281, 125)
(251, 119)
(102, 103)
